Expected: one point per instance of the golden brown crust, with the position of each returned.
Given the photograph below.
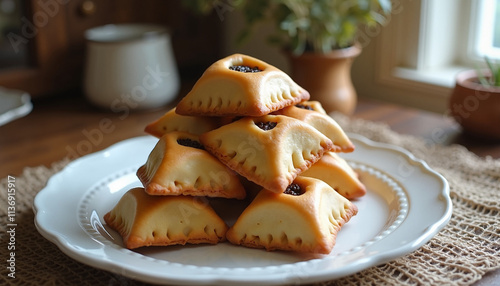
(174, 169)
(321, 121)
(337, 173)
(144, 220)
(304, 223)
(172, 121)
(312, 105)
(221, 91)
(270, 158)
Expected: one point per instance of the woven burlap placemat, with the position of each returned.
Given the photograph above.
(467, 248)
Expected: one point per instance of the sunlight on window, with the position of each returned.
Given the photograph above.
(488, 32)
(496, 31)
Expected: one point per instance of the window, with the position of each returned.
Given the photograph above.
(415, 58)
(442, 42)
(487, 29)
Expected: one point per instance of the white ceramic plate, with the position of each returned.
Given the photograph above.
(406, 205)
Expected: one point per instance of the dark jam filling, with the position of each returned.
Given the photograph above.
(294, 190)
(190, 143)
(304, 106)
(242, 68)
(266, 125)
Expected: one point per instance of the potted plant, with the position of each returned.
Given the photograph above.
(318, 37)
(475, 101)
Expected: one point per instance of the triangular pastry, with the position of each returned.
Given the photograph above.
(172, 121)
(144, 220)
(312, 105)
(270, 150)
(305, 218)
(336, 172)
(312, 114)
(178, 165)
(241, 85)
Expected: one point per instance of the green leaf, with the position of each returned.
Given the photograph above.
(497, 76)
(481, 77)
(320, 25)
(495, 73)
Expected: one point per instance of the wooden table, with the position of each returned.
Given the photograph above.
(67, 126)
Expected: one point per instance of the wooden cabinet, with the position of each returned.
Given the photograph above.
(53, 32)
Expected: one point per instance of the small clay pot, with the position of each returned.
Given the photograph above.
(476, 107)
(327, 77)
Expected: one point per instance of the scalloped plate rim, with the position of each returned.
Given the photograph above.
(207, 278)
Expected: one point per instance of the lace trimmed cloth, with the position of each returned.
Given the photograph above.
(466, 249)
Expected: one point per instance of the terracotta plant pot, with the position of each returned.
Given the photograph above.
(327, 77)
(476, 107)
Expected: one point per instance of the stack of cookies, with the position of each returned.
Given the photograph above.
(243, 121)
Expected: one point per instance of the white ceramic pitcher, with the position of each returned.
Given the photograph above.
(130, 66)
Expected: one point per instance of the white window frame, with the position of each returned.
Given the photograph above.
(482, 44)
(416, 56)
